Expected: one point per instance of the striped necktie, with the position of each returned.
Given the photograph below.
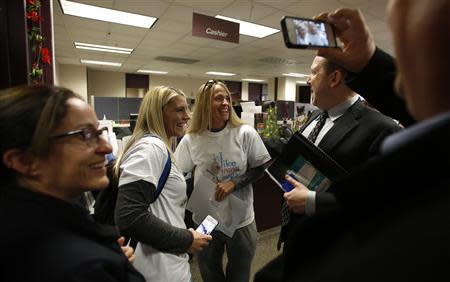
(320, 123)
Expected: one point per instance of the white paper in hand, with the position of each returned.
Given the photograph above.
(202, 203)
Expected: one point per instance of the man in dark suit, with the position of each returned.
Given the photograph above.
(350, 133)
(393, 224)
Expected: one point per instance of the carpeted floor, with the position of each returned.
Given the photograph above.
(266, 250)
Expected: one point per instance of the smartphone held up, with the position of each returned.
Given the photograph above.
(307, 33)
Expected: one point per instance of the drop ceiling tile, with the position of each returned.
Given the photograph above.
(247, 11)
(172, 34)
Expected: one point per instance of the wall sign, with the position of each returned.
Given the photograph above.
(213, 28)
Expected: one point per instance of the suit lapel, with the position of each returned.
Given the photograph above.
(341, 127)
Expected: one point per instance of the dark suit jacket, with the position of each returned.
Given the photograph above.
(354, 139)
(356, 136)
(376, 84)
(395, 219)
(394, 223)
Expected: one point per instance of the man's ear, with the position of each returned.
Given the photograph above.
(337, 78)
(20, 161)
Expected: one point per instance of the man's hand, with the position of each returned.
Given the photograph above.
(358, 45)
(223, 189)
(296, 198)
(200, 241)
(127, 250)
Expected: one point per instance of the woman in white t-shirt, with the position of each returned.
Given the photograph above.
(156, 221)
(221, 147)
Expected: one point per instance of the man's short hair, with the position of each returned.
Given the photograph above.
(331, 66)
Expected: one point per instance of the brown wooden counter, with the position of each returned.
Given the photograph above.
(267, 203)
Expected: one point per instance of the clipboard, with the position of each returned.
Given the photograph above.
(307, 163)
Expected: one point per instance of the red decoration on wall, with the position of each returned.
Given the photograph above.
(33, 16)
(40, 54)
(45, 57)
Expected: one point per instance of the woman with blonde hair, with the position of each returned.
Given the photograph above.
(156, 220)
(219, 145)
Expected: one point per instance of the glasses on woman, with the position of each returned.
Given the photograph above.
(89, 134)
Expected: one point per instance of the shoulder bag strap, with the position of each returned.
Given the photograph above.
(165, 174)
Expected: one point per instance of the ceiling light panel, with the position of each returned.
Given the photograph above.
(294, 74)
(91, 62)
(107, 15)
(102, 48)
(220, 73)
(251, 29)
(253, 80)
(153, 71)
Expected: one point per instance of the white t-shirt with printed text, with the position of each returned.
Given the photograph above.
(224, 155)
(145, 161)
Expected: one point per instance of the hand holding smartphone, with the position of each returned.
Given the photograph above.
(207, 225)
(307, 33)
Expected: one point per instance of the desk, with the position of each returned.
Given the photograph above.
(267, 203)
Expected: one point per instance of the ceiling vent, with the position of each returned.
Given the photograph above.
(176, 60)
(277, 61)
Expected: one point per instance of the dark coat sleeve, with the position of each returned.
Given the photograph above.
(326, 202)
(250, 176)
(376, 84)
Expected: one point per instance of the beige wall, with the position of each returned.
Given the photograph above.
(88, 82)
(106, 83)
(286, 88)
(244, 91)
(72, 77)
(112, 84)
(188, 85)
(271, 89)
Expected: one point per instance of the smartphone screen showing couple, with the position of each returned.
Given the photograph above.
(305, 33)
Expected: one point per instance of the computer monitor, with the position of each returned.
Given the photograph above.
(133, 118)
(237, 110)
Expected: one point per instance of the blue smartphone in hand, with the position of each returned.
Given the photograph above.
(286, 185)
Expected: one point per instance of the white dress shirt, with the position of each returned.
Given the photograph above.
(333, 114)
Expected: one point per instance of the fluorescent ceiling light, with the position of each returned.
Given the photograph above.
(220, 73)
(104, 14)
(301, 82)
(112, 64)
(253, 80)
(251, 29)
(102, 48)
(294, 74)
(153, 71)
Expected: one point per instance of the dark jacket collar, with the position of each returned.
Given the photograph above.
(55, 212)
